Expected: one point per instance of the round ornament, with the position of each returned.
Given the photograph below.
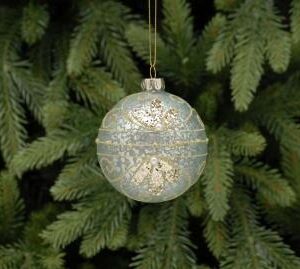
(152, 145)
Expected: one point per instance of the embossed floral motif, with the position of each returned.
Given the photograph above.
(154, 116)
(157, 173)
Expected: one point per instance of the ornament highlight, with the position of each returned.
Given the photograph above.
(152, 145)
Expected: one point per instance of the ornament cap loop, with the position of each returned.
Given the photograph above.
(153, 84)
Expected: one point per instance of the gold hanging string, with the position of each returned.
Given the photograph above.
(152, 59)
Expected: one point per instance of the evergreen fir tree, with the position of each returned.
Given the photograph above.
(62, 69)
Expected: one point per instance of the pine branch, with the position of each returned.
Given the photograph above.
(290, 95)
(77, 179)
(103, 22)
(120, 236)
(52, 260)
(110, 229)
(146, 224)
(280, 99)
(28, 256)
(31, 251)
(217, 235)
(208, 102)
(247, 68)
(222, 50)
(168, 245)
(71, 225)
(40, 55)
(137, 36)
(227, 5)
(96, 87)
(250, 35)
(243, 143)
(41, 254)
(84, 43)
(194, 200)
(290, 160)
(182, 56)
(217, 178)
(295, 20)
(178, 33)
(10, 258)
(11, 207)
(34, 22)
(98, 210)
(268, 182)
(178, 26)
(117, 56)
(56, 107)
(31, 89)
(11, 112)
(16, 81)
(81, 119)
(44, 151)
(11, 120)
(253, 246)
(208, 38)
(71, 140)
(283, 127)
(284, 220)
(279, 253)
(278, 49)
(37, 221)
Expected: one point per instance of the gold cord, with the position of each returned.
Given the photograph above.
(152, 60)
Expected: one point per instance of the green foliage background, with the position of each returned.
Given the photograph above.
(64, 64)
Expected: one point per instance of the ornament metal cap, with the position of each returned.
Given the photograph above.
(153, 84)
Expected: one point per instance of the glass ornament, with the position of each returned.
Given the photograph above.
(152, 145)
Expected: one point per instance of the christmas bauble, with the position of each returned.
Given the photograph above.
(152, 145)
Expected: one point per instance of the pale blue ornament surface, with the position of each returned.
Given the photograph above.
(152, 145)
